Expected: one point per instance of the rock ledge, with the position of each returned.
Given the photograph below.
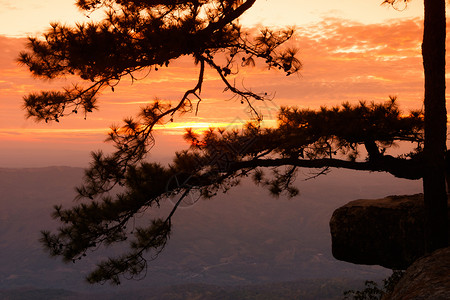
(387, 232)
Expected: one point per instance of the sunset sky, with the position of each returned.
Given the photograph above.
(351, 50)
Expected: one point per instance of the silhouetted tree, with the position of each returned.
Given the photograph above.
(145, 34)
(138, 35)
(433, 53)
(216, 161)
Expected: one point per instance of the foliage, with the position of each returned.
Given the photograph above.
(145, 35)
(214, 163)
(397, 4)
(372, 291)
(137, 36)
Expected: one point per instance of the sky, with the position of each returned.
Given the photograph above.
(351, 50)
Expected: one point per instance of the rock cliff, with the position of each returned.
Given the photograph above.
(387, 232)
(427, 278)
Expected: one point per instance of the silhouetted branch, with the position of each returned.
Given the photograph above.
(402, 168)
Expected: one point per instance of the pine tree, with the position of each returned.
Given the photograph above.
(135, 36)
(148, 35)
(433, 53)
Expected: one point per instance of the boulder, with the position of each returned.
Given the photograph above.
(387, 232)
(427, 278)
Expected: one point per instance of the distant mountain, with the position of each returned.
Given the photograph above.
(312, 289)
(241, 238)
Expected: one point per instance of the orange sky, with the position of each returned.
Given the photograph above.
(348, 55)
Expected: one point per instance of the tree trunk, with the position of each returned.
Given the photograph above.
(434, 187)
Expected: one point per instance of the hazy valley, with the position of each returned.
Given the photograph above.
(240, 243)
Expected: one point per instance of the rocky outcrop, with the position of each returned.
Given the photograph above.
(387, 232)
(427, 278)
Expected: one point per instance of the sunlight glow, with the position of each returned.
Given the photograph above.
(200, 127)
(51, 130)
(351, 50)
(358, 49)
(38, 15)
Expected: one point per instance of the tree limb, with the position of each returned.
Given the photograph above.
(402, 168)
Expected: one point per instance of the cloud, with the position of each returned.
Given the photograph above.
(350, 53)
(7, 6)
(343, 61)
(9, 51)
(350, 61)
